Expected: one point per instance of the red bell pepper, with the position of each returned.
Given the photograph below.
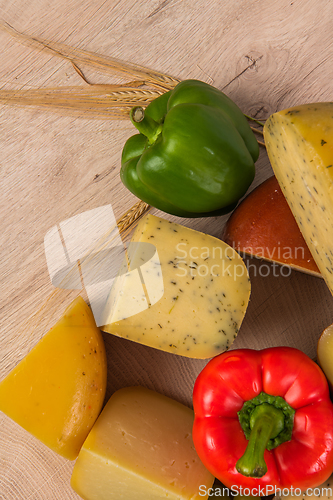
(264, 418)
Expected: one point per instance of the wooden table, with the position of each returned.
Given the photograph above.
(265, 55)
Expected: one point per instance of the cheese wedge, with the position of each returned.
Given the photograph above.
(56, 392)
(204, 288)
(299, 144)
(141, 447)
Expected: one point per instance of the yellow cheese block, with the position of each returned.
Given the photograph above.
(141, 448)
(299, 144)
(204, 285)
(56, 392)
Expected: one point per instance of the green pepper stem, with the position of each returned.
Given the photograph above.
(266, 423)
(145, 124)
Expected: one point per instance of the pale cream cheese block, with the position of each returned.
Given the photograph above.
(197, 290)
(141, 448)
(299, 144)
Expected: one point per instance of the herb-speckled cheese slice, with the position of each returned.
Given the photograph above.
(299, 144)
(206, 293)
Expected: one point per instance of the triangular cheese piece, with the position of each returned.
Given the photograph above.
(56, 392)
(299, 144)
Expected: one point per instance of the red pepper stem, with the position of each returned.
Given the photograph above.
(266, 422)
(145, 124)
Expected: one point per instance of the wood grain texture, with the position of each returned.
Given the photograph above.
(265, 55)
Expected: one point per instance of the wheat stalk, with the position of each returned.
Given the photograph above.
(97, 101)
(106, 64)
(132, 216)
(103, 101)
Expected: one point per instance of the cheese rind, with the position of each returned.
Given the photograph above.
(206, 292)
(299, 144)
(141, 447)
(56, 392)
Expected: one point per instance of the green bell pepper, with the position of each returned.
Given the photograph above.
(194, 155)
